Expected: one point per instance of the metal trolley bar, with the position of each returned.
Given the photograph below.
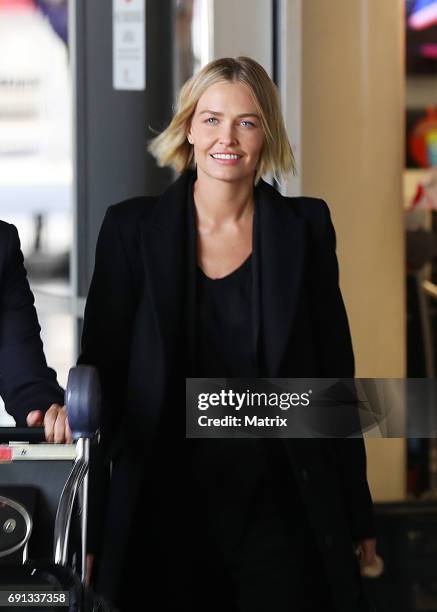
(77, 481)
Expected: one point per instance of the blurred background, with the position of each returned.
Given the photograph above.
(82, 86)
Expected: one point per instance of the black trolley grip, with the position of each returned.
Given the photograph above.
(83, 401)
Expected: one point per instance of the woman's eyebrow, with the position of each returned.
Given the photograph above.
(211, 112)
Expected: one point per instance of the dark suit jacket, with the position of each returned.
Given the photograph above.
(137, 331)
(26, 383)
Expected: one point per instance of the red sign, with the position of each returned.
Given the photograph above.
(5, 454)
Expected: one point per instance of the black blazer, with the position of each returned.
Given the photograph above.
(26, 383)
(138, 326)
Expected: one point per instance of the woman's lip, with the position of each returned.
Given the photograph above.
(226, 162)
(226, 153)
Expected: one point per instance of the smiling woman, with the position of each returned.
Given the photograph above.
(227, 145)
(237, 96)
(221, 276)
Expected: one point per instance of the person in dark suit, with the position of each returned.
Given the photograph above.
(28, 386)
(221, 276)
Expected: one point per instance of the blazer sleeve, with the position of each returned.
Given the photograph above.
(26, 382)
(109, 312)
(105, 344)
(336, 359)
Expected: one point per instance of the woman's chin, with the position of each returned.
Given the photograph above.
(228, 173)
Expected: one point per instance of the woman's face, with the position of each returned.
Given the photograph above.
(226, 132)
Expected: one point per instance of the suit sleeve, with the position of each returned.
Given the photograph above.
(26, 382)
(105, 344)
(336, 359)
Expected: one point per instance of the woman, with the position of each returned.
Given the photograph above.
(222, 276)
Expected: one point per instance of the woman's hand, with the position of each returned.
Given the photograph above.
(89, 568)
(55, 423)
(367, 552)
(372, 565)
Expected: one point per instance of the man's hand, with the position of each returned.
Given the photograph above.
(55, 423)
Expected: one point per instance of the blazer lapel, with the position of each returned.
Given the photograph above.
(169, 243)
(278, 257)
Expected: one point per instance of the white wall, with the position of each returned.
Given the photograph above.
(243, 27)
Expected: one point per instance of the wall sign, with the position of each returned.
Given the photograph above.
(129, 44)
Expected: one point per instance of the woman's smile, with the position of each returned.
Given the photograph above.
(227, 159)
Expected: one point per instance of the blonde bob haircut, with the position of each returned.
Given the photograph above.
(171, 147)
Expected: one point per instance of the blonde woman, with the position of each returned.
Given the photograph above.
(221, 276)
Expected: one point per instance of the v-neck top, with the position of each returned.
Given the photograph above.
(224, 324)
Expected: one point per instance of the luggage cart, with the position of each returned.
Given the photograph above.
(44, 490)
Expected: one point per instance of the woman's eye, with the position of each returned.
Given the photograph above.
(247, 123)
(211, 120)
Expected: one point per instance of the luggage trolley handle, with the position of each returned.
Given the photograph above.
(31, 435)
(83, 399)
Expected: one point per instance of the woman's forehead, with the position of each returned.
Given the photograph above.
(225, 95)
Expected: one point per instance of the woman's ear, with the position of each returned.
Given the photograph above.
(190, 134)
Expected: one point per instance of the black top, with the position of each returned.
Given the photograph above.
(230, 471)
(227, 469)
(224, 324)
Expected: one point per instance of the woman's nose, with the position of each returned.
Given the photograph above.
(227, 135)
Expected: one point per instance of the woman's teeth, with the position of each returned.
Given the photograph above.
(225, 156)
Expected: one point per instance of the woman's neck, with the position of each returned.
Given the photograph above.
(219, 203)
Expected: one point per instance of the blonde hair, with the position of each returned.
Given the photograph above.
(171, 147)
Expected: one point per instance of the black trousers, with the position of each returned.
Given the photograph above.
(274, 566)
(189, 560)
